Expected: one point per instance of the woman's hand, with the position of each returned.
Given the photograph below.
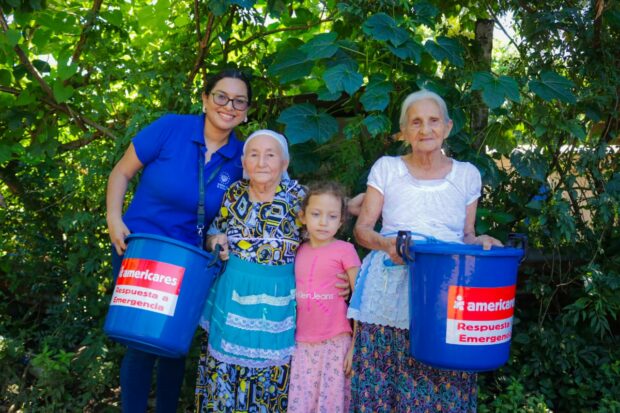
(345, 289)
(488, 241)
(118, 231)
(222, 241)
(390, 249)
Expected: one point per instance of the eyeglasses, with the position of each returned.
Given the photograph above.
(222, 100)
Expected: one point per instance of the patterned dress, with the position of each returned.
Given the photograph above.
(250, 314)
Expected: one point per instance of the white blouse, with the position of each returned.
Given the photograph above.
(435, 208)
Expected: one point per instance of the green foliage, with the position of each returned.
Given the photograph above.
(79, 79)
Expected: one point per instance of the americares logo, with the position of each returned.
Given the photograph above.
(479, 315)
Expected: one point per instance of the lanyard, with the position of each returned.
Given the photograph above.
(201, 194)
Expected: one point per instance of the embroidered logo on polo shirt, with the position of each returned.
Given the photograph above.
(223, 181)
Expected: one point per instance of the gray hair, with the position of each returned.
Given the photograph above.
(418, 96)
(281, 139)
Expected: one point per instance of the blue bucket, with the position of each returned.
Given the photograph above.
(159, 294)
(461, 302)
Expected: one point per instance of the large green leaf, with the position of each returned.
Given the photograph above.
(495, 89)
(218, 7)
(530, 164)
(65, 71)
(383, 27)
(459, 120)
(553, 86)
(6, 153)
(6, 77)
(445, 48)
(613, 185)
(13, 36)
(303, 123)
(321, 46)
(41, 39)
(290, 64)
(325, 95)
(408, 50)
(377, 124)
(342, 78)
(574, 128)
(62, 93)
(377, 95)
(425, 13)
(246, 4)
(25, 98)
(41, 65)
(304, 158)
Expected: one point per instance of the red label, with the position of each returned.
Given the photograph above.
(151, 274)
(479, 315)
(148, 285)
(473, 303)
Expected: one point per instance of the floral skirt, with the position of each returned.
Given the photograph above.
(386, 379)
(318, 383)
(230, 388)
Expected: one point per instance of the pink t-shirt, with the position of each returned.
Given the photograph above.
(321, 312)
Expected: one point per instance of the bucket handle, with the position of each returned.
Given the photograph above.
(403, 240)
(216, 259)
(402, 245)
(518, 240)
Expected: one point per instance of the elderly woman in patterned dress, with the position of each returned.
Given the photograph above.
(250, 313)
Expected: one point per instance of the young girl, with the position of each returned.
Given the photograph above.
(323, 353)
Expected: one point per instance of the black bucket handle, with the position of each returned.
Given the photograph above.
(403, 239)
(518, 240)
(216, 259)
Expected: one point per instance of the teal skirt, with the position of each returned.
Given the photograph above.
(250, 314)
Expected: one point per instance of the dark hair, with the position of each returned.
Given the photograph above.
(327, 187)
(228, 73)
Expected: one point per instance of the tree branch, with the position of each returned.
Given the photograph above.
(497, 21)
(283, 29)
(85, 30)
(80, 120)
(204, 47)
(226, 48)
(24, 60)
(197, 20)
(79, 143)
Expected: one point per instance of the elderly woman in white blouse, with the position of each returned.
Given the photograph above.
(425, 192)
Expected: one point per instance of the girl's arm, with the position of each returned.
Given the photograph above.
(469, 231)
(364, 231)
(348, 360)
(125, 169)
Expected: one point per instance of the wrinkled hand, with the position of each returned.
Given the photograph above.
(118, 231)
(345, 289)
(222, 241)
(390, 250)
(488, 241)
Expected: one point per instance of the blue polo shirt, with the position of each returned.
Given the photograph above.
(166, 199)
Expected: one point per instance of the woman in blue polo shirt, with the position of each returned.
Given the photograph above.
(165, 203)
